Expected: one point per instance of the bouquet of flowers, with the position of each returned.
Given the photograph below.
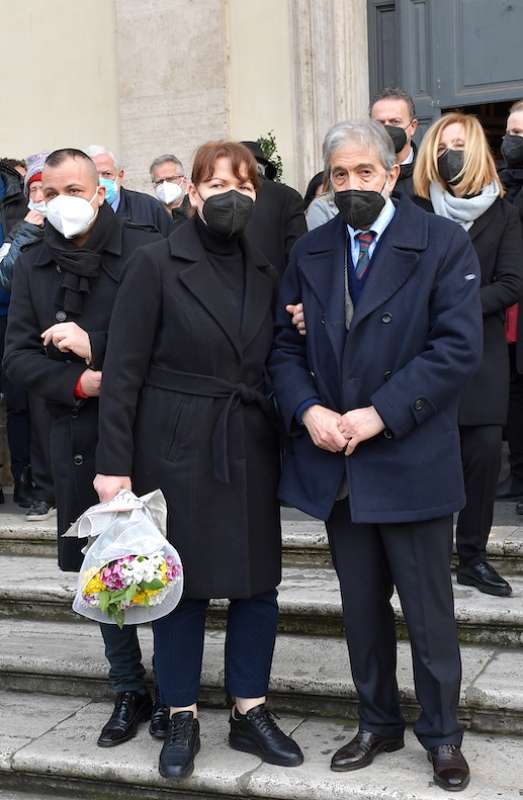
(131, 573)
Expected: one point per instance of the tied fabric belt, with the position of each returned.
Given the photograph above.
(208, 386)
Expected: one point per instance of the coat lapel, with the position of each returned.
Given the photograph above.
(395, 259)
(200, 279)
(484, 221)
(323, 269)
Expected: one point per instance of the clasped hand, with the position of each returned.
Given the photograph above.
(68, 336)
(336, 432)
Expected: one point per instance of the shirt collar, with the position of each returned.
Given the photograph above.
(380, 223)
(409, 159)
(116, 203)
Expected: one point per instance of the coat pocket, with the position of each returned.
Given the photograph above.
(179, 429)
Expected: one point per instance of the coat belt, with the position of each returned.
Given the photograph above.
(209, 386)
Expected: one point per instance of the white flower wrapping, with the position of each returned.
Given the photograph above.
(129, 563)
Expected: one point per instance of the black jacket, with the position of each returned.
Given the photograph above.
(405, 182)
(35, 307)
(513, 182)
(169, 420)
(142, 209)
(277, 221)
(498, 242)
(13, 207)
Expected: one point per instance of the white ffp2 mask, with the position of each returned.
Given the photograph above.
(70, 216)
(169, 192)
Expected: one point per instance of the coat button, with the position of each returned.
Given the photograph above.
(78, 460)
(386, 318)
(387, 434)
(74, 413)
(419, 405)
(60, 316)
(322, 321)
(387, 374)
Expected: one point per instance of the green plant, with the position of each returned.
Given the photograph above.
(270, 152)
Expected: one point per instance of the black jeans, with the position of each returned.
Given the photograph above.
(249, 646)
(17, 413)
(514, 428)
(481, 456)
(370, 559)
(122, 650)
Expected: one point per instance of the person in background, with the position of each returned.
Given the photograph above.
(278, 218)
(64, 288)
(320, 207)
(13, 208)
(455, 177)
(137, 207)
(170, 186)
(314, 189)
(16, 163)
(188, 344)
(395, 109)
(37, 419)
(512, 178)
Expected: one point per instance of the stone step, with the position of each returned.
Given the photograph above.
(49, 743)
(309, 602)
(304, 542)
(310, 675)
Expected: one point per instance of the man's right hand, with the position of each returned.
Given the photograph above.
(323, 427)
(34, 218)
(91, 382)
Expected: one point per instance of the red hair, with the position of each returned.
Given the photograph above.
(243, 163)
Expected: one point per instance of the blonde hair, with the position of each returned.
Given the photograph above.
(478, 170)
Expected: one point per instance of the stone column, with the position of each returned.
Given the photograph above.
(331, 73)
(172, 80)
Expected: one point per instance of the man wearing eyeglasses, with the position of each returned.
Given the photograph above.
(170, 186)
(136, 207)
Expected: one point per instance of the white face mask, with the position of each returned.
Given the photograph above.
(71, 216)
(169, 192)
(40, 207)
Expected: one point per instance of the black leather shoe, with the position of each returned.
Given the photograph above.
(181, 745)
(510, 489)
(23, 489)
(361, 751)
(159, 718)
(130, 708)
(484, 577)
(451, 771)
(256, 732)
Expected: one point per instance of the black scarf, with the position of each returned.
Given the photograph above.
(80, 265)
(512, 180)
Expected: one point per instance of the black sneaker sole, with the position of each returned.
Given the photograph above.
(464, 580)
(390, 747)
(246, 746)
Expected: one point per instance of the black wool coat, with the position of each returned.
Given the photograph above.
(497, 240)
(513, 182)
(35, 306)
(277, 222)
(142, 209)
(183, 404)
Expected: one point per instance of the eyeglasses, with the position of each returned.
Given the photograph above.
(171, 179)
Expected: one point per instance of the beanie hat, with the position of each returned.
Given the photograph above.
(35, 165)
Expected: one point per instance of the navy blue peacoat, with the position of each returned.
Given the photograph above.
(414, 340)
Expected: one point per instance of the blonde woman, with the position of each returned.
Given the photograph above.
(455, 177)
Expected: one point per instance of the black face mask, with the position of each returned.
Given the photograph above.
(398, 136)
(512, 150)
(450, 164)
(359, 207)
(227, 214)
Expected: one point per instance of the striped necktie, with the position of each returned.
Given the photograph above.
(365, 240)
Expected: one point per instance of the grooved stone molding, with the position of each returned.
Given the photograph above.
(330, 80)
(172, 80)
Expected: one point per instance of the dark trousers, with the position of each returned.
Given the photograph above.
(514, 428)
(249, 646)
(481, 456)
(40, 450)
(122, 650)
(17, 417)
(370, 559)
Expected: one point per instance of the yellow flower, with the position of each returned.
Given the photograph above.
(140, 598)
(163, 571)
(94, 586)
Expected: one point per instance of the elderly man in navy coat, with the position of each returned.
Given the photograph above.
(369, 397)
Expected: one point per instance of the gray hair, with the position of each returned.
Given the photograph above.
(166, 158)
(100, 150)
(367, 133)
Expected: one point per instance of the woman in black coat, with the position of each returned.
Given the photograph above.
(185, 408)
(456, 177)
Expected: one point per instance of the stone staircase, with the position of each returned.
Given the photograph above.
(54, 696)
